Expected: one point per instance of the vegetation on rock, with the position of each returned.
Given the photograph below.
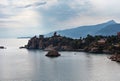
(93, 44)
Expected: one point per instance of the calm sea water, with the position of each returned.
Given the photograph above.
(21, 64)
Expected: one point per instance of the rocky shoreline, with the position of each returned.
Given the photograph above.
(92, 44)
(115, 57)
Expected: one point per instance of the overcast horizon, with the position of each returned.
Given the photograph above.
(33, 17)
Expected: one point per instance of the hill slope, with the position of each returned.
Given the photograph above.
(108, 28)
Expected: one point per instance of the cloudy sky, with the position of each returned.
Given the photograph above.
(29, 17)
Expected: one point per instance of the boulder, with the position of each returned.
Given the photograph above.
(2, 47)
(115, 57)
(53, 53)
(22, 47)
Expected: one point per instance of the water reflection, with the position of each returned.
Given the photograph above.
(22, 64)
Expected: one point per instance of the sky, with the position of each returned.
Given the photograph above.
(19, 18)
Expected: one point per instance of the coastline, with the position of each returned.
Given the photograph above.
(91, 44)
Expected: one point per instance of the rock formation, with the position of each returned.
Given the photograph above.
(93, 44)
(53, 53)
(55, 42)
(32, 43)
(115, 57)
(2, 47)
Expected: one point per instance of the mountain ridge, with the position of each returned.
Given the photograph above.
(83, 31)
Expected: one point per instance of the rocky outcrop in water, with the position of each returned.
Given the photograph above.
(92, 44)
(2, 47)
(33, 43)
(53, 53)
(115, 57)
(55, 42)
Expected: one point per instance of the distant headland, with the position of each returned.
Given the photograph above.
(91, 44)
(23, 37)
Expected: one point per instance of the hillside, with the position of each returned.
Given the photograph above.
(108, 28)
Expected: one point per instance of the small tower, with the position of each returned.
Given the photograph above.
(41, 36)
(55, 34)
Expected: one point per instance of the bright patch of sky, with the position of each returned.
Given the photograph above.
(30, 17)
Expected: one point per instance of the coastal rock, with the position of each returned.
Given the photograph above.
(33, 43)
(50, 47)
(94, 50)
(41, 46)
(66, 48)
(53, 53)
(92, 44)
(22, 47)
(115, 57)
(2, 47)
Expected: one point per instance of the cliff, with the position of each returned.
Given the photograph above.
(55, 42)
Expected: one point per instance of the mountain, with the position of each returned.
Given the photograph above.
(107, 28)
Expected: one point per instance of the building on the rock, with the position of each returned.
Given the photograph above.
(55, 34)
(41, 36)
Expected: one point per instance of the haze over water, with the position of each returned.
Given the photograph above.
(25, 18)
(23, 64)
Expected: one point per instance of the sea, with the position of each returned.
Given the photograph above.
(32, 65)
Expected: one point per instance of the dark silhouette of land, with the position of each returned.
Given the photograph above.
(92, 44)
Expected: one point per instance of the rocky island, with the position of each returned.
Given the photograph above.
(53, 53)
(92, 44)
(2, 47)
